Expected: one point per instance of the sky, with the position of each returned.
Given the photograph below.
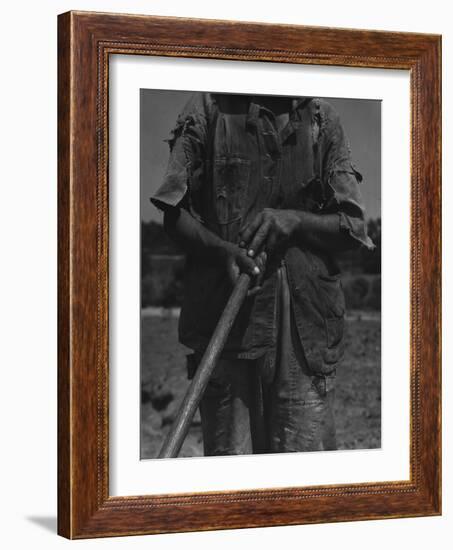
(159, 109)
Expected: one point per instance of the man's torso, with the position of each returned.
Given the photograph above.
(255, 159)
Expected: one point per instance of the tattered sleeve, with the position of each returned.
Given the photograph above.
(341, 179)
(182, 182)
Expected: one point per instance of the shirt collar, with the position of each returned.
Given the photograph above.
(255, 107)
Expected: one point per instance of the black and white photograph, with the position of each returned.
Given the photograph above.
(287, 191)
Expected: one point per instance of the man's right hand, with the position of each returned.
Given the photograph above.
(237, 262)
(197, 239)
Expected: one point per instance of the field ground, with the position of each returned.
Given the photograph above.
(164, 382)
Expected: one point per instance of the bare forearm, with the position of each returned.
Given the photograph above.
(322, 232)
(199, 241)
(274, 229)
(193, 236)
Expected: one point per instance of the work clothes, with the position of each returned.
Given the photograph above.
(271, 404)
(228, 162)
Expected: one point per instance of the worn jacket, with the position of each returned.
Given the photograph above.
(228, 162)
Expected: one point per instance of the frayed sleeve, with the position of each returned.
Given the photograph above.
(342, 181)
(182, 182)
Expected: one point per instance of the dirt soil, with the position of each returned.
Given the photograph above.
(164, 382)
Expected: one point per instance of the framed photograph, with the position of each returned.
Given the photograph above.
(249, 275)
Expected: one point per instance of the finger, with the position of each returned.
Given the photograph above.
(233, 272)
(261, 263)
(261, 259)
(250, 229)
(247, 265)
(259, 238)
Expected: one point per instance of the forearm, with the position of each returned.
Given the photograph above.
(321, 231)
(193, 236)
(199, 241)
(272, 229)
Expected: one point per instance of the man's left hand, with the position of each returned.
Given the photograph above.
(270, 229)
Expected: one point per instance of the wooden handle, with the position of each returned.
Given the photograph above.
(177, 434)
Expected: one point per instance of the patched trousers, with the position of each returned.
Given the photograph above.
(271, 404)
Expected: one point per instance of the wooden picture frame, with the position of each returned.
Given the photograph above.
(85, 42)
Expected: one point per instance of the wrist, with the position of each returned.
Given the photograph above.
(298, 223)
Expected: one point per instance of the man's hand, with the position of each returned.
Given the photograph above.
(237, 262)
(275, 228)
(270, 229)
(200, 241)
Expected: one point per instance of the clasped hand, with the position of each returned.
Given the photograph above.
(269, 230)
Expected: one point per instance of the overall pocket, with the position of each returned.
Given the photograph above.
(231, 178)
